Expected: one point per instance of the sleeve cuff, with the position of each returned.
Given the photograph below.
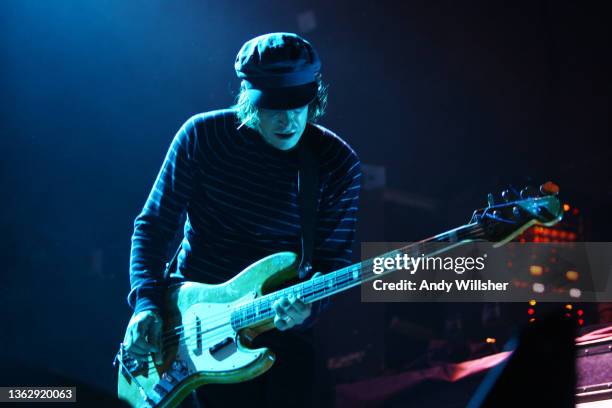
(151, 300)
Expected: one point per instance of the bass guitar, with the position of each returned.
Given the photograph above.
(208, 330)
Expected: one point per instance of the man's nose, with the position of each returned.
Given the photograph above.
(284, 117)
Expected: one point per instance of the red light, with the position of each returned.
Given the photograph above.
(530, 311)
(580, 322)
(568, 315)
(575, 212)
(580, 312)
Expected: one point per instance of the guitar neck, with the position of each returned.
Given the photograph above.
(343, 279)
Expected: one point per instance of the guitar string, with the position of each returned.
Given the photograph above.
(189, 341)
(250, 307)
(186, 340)
(477, 232)
(306, 288)
(176, 338)
(474, 226)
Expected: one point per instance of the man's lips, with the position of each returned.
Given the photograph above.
(284, 135)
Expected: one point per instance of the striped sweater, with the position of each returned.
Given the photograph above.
(240, 199)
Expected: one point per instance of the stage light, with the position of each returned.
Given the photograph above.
(571, 275)
(530, 311)
(569, 307)
(580, 312)
(538, 287)
(566, 207)
(491, 340)
(575, 292)
(532, 302)
(535, 270)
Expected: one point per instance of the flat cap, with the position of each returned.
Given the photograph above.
(278, 70)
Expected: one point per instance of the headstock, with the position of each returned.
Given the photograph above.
(503, 221)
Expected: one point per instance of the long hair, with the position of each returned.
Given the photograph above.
(248, 114)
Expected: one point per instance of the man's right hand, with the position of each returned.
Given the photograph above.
(143, 336)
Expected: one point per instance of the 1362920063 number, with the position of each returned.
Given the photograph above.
(66, 394)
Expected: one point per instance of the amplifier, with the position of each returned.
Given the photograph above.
(594, 373)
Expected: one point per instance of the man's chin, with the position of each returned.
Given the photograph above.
(284, 136)
(286, 144)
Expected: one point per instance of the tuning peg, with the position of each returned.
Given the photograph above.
(490, 200)
(529, 191)
(508, 195)
(549, 188)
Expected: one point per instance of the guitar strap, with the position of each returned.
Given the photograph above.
(308, 186)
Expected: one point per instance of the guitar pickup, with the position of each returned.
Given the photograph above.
(223, 349)
(198, 328)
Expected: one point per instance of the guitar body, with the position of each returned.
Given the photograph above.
(201, 345)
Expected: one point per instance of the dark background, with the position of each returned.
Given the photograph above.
(454, 99)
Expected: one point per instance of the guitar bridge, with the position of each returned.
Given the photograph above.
(129, 366)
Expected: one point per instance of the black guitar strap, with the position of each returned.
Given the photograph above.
(308, 186)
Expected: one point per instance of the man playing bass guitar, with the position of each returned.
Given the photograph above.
(235, 174)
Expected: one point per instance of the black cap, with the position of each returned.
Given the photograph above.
(278, 70)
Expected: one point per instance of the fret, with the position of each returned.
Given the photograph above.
(260, 309)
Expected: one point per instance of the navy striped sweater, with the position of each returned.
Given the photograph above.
(240, 197)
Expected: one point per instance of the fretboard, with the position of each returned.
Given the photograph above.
(327, 285)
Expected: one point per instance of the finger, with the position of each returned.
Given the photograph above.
(299, 304)
(280, 323)
(153, 337)
(284, 302)
(140, 357)
(297, 309)
(278, 308)
(138, 349)
(144, 344)
(127, 341)
(298, 317)
(138, 354)
(156, 340)
(283, 309)
(281, 317)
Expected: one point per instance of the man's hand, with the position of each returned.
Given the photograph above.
(143, 336)
(291, 311)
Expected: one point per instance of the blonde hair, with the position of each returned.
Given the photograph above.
(248, 114)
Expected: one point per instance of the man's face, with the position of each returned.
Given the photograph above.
(283, 128)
